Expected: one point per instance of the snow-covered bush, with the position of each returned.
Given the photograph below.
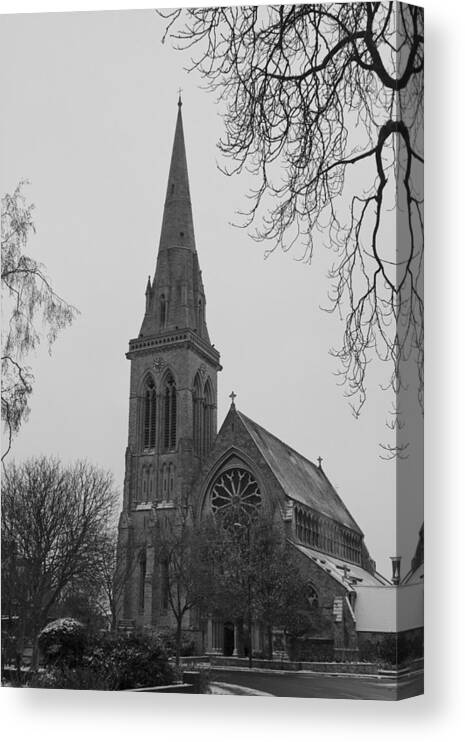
(63, 642)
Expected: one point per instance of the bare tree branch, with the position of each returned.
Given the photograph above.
(27, 298)
(323, 105)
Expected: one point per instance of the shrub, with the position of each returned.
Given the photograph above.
(204, 681)
(167, 639)
(75, 660)
(62, 642)
(69, 678)
(133, 661)
(393, 650)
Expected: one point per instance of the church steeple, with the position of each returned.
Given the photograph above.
(176, 300)
(174, 366)
(178, 227)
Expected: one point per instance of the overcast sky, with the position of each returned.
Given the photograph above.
(89, 108)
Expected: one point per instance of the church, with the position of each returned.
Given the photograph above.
(176, 455)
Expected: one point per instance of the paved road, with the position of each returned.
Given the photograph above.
(302, 685)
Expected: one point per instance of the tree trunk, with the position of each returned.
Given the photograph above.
(240, 637)
(35, 652)
(250, 628)
(269, 636)
(178, 640)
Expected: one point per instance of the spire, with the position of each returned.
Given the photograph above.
(176, 298)
(177, 227)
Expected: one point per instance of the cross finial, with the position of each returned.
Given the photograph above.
(179, 97)
(233, 396)
(319, 459)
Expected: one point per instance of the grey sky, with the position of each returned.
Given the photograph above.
(90, 104)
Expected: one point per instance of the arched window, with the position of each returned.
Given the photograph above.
(169, 422)
(207, 416)
(164, 485)
(312, 597)
(150, 412)
(163, 308)
(171, 481)
(306, 531)
(144, 484)
(317, 532)
(198, 416)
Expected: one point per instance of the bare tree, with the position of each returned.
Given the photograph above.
(27, 299)
(182, 548)
(111, 576)
(255, 577)
(53, 521)
(323, 104)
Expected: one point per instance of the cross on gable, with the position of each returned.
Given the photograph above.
(233, 396)
(319, 459)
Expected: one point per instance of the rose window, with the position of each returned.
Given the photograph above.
(236, 494)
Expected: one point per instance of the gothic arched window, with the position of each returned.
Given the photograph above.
(312, 597)
(235, 496)
(164, 477)
(150, 412)
(198, 417)
(207, 416)
(169, 419)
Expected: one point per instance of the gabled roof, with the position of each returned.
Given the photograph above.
(300, 479)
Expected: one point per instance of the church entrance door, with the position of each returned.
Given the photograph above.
(228, 642)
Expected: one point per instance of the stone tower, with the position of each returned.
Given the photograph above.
(173, 388)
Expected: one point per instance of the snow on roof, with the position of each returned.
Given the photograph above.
(338, 568)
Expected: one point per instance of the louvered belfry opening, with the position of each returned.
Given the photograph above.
(169, 422)
(150, 414)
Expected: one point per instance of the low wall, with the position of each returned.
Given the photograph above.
(354, 668)
(349, 668)
(220, 661)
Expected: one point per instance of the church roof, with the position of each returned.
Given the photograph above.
(338, 568)
(300, 479)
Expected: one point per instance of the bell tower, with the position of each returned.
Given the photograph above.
(173, 385)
